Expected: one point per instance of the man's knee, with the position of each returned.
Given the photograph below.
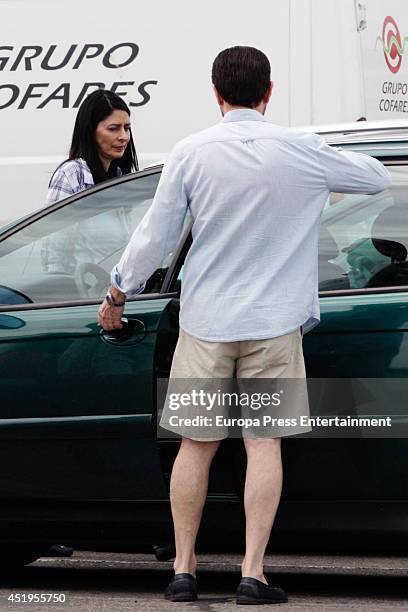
(262, 445)
(201, 447)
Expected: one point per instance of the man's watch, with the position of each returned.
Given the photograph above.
(111, 301)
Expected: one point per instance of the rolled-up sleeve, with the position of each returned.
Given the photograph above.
(157, 234)
(351, 172)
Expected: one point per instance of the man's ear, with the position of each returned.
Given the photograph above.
(268, 93)
(220, 99)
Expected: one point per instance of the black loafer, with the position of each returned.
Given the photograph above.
(182, 587)
(253, 591)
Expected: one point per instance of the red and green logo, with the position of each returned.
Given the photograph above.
(393, 44)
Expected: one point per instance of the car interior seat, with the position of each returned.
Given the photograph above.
(389, 241)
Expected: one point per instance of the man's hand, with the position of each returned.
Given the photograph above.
(110, 316)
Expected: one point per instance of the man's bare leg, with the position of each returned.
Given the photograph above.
(263, 486)
(188, 491)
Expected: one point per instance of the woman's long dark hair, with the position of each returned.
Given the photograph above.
(95, 108)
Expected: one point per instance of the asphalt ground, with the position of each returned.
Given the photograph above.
(106, 582)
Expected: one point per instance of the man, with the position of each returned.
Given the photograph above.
(256, 192)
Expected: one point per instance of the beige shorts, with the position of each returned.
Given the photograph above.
(215, 366)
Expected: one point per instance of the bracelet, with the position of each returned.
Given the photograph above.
(111, 301)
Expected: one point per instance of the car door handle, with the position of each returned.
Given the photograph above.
(10, 322)
(132, 332)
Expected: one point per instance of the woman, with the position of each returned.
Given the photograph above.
(102, 146)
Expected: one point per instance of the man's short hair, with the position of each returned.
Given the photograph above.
(241, 76)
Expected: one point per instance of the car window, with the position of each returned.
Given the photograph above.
(68, 254)
(364, 239)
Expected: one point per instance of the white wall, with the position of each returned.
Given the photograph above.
(313, 45)
(177, 44)
(325, 79)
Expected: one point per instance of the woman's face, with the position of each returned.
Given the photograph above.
(112, 136)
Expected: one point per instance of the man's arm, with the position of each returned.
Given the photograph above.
(350, 172)
(155, 237)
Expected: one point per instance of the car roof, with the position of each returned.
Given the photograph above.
(155, 164)
(359, 132)
(362, 132)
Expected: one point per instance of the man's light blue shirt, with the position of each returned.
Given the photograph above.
(256, 192)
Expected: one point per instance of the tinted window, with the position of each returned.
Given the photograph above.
(364, 239)
(68, 254)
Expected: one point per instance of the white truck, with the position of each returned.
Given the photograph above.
(332, 61)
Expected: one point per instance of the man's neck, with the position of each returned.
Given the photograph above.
(226, 108)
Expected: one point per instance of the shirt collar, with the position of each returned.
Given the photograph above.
(243, 114)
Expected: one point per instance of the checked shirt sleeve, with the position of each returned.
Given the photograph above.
(58, 250)
(65, 182)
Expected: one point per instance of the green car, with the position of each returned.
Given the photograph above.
(81, 462)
